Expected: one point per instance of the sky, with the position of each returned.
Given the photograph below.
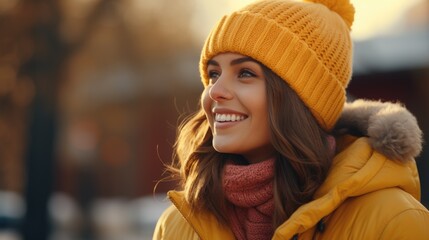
(372, 16)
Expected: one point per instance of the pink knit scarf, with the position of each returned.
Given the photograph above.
(250, 190)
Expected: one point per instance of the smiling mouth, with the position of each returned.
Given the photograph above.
(229, 117)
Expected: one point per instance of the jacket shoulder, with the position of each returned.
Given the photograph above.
(408, 224)
(384, 214)
(172, 225)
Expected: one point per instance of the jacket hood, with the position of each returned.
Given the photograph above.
(379, 155)
(391, 129)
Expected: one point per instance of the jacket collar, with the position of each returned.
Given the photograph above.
(204, 224)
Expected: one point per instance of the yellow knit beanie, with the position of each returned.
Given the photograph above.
(307, 44)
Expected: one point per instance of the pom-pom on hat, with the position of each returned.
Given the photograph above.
(306, 43)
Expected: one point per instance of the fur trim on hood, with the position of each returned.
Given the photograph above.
(392, 130)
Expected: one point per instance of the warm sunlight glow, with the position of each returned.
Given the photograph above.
(372, 17)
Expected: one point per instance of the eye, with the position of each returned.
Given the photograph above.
(246, 73)
(213, 75)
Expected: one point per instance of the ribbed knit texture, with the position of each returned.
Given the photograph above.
(250, 189)
(307, 44)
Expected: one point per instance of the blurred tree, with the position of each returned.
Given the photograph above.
(39, 28)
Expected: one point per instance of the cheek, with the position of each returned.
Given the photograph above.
(257, 104)
(260, 113)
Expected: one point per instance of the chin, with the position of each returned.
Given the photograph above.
(223, 148)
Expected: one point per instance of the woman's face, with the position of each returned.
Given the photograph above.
(235, 105)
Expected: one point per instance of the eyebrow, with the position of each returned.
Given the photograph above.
(233, 62)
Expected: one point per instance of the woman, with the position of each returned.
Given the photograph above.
(275, 152)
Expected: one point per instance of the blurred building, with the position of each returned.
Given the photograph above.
(395, 67)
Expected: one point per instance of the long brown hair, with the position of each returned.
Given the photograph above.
(302, 162)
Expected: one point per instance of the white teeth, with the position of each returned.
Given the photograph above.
(228, 117)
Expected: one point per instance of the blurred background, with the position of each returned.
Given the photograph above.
(91, 92)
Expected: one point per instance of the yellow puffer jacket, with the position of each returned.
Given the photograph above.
(366, 195)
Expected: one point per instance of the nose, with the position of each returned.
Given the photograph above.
(221, 89)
